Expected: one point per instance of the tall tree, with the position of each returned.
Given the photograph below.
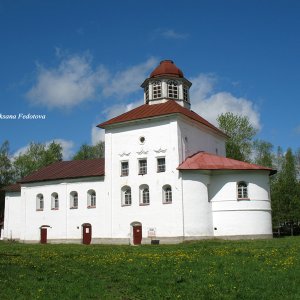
(90, 152)
(241, 133)
(37, 156)
(263, 153)
(285, 191)
(6, 171)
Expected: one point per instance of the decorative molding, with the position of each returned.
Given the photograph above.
(160, 150)
(124, 154)
(142, 152)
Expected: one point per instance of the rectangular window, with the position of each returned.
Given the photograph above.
(124, 168)
(185, 94)
(93, 200)
(75, 202)
(142, 166)
(161, 164)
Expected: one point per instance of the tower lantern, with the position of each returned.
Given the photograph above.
(167, 82)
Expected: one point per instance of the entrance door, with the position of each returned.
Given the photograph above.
(43, 235)
(137, 234)
(86, 233)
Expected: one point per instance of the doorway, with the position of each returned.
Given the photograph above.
(43, 239)
(137, 231)
(86, 233)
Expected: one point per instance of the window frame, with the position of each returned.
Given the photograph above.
(54, 201)
(156, 89)
(146, 90)
(185, 92)
(144, 195)
(167, 194)
(73, 198)
(91, 197)
(161, 168)
(126, 196)
(142, 168)
(124, 172)
(40, 204)
(242, 190)
(173, 90)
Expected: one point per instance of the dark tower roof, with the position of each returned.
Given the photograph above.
(168, 68)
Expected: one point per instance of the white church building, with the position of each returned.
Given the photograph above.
(165, 178)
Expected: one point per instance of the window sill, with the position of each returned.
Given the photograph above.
(241, 199)
(39, 209)
(125, 205)
(142, 174)
(73, 207)
(124, 175)
(167, 202)
(144, 204)
(54, 208)
(90, 206)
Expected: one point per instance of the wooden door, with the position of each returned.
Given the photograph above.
(86, 234)
(43, 235)
(137, 234)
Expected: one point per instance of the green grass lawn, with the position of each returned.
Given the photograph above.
(263, 269)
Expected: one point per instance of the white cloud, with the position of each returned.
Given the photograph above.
(129, 80)
(172, 34)
(75, 81)
(67, 148)
(97, 134)
(119, 109)
(209, 104)
(71, 83)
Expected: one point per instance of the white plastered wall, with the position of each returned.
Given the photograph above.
(13, 216)
(64, 223)
(232, 217)
(197, 208)
(124, 144)
(192, 138)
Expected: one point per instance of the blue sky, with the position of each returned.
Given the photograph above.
(82, 62)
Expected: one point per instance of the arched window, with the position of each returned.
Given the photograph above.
(54, 201)
(126, 195)
(144, 195)
(167, 194)
(40, 202)
(242, 190)
(91, 197)
(73, 200)
(156, 89)
(172, 89)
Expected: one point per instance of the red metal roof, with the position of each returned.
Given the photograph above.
(166, 67)
(68, 170)
(168, 108)
(16, 187)
(206, 161)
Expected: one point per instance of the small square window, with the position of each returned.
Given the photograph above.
(142, 166)
(161, 165)
(124, 168)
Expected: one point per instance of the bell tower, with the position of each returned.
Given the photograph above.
(165, 83)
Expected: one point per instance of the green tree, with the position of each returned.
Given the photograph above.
(37, 156)
(240, 132)
(263, 153)
(90, 152)
(285, 191)
(6, 171)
